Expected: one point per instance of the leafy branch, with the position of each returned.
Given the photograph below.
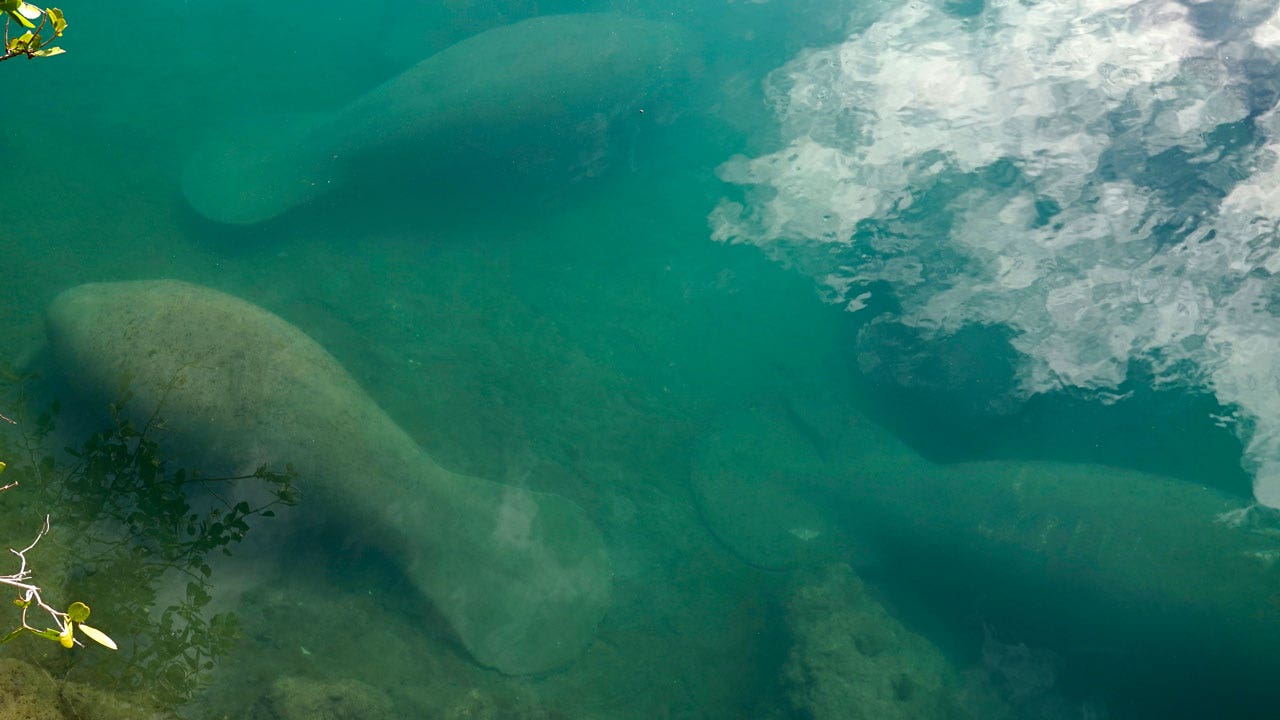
(133, 528)
(29, 596)
(33, 42)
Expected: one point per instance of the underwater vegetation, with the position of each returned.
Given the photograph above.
(130, 529)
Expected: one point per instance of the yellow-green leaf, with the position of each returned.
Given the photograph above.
(78, 612)
(65, 638)
(11, 636)
(21, 43)
(48, 52)
(98, 636)
(59, 22)
(16, 15)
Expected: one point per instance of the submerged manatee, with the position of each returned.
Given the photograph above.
(1077, 556)
(522, 577)
(531, 81)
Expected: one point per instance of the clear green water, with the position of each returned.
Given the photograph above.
(583, 335)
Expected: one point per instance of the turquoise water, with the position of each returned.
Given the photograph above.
(973, 300)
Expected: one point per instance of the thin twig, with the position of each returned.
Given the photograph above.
(30, 593)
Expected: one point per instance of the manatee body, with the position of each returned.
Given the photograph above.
(1166, 590)
(522, 577)
(537, 81)
(1089, 559)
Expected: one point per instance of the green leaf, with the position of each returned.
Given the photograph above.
(11, 636)
(16, 14)
(49, 52)
(21, 43)
(59, 22)
(10, 5)
(78, 612)
(98, 636)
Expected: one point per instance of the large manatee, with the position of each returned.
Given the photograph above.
(535, 80)
(522, 577)
(1102, 563)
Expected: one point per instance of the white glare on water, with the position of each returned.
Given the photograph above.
(1135, 219)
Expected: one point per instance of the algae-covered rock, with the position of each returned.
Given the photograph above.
(852, 660)
(521, 577)
(295, 698)
(547, 80)
(83, 702)
(499, 702)
(29, 693)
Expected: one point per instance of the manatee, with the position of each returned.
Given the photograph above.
(533, 81)
(521, 577)
(1079, 555)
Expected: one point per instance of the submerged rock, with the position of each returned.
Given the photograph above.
(29, 693)
(295, 698)
(521, 577)
(852, 660)
(542, 81)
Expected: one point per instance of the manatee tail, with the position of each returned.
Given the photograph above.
(259, 168)
(524, 582)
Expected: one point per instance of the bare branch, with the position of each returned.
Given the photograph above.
(29, 593)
